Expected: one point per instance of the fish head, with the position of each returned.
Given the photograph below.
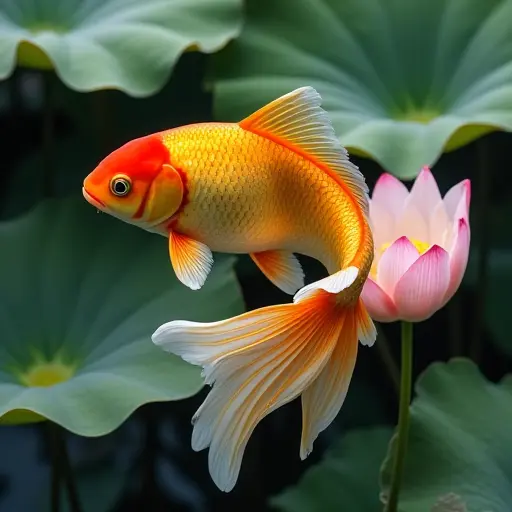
(136, 183)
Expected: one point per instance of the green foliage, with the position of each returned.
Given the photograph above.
(103, 44)
(402, 82)
(460, 442)
(84, 294)
(346, 478)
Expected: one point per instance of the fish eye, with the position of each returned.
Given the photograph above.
(120, 185)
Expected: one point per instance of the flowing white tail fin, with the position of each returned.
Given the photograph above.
(260, 360)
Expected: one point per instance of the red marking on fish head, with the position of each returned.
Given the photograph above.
(136, 182)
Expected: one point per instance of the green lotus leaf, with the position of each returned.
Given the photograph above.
(346, 479)
(402, 81)
(130, 45)
(81, 295)
(460, 442)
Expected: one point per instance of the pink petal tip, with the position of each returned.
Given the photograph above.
(467, 189)
(378, 303)
(394, 262)
(420, 291)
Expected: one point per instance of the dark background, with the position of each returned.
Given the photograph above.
(147, 464)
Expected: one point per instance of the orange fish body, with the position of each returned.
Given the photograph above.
(248, 194)
(275, 184)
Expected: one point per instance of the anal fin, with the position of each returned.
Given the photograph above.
(282, 268)
(191, 260)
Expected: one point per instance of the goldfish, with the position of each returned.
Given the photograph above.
(276, 184)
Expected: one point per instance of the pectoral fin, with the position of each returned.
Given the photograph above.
(191, 260)
(282, 268)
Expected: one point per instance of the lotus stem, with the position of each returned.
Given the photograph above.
(483, 190)
(403, 417)
(48, 135)
(63, 471)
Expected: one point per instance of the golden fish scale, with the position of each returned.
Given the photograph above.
(247, 193)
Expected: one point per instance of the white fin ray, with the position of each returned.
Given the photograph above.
(322, 401)
(191, 260)
(334, 283)
(282, 268)
(256, 363)
(298, 119)
(366, 330)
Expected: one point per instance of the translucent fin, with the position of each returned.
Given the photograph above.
(334, 283)
(366, 330)
(282, 268)
(191, 260)
(256, 363)
(322, 401)
(297, 121)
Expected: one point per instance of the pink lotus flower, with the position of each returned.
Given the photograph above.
(421, 247)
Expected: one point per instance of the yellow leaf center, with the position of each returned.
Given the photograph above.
(44, 374)
(30, 55)
(419, 116)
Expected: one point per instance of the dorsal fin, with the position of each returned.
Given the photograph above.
(298, 121)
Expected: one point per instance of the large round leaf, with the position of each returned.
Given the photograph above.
(460, 442)
(346, 478)
(401, 80)
(130, 45)
(81, 295)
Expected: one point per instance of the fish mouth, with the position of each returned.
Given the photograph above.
(93, 200)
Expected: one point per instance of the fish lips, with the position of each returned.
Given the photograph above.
(90, 198)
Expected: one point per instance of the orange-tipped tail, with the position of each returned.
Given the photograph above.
(259, 361)
(322, 400)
